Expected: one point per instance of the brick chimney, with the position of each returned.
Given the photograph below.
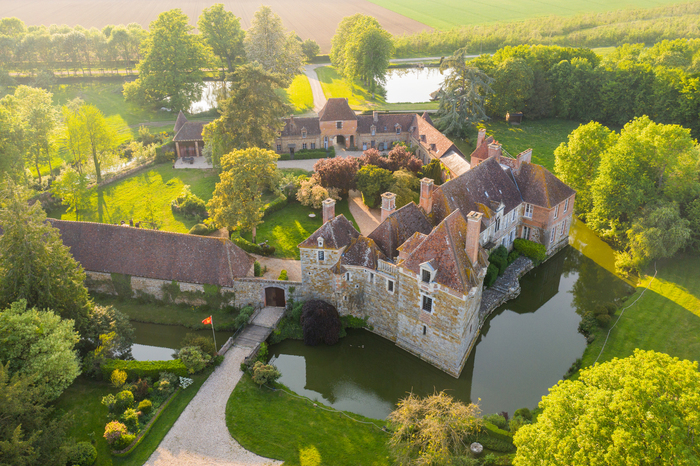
(375, 116)
(473, 231)
(524, 156)
(426, 194)
(328, 209)
(388, 205)
(495, 151)
(481, 137)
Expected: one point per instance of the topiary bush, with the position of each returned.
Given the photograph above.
(118, 378)
(320, 322)
(251, 247)
(535, 251)
(283, 275)
(201, 342)
(497, 420)
(193, 358)
(81, 454)
(264, 374)
(523, 413)
(130, 418)
(513, 256)
(199, 229)
(491, 275)
(114, 431)
(123, 401)
(499, 258)
(145, 406)
(189, 205)
(257, 269)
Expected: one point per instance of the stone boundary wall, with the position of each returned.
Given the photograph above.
(251, 291)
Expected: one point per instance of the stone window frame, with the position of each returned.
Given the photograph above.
(427, 302)
(303, 146)
(398, 128)
(313, 145)
(279, 147)
(526, 232)
(553, 235)
(425, 275)
(390, 286)
(425, 329)
(556, 211)
(303, 133)
(373, 130)
(529, 209)
(321, 256)
(566, 205)
(338, 125)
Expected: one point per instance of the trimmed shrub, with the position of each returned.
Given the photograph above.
(243, 316)
(123, 401)
(499, 257)
(264, 374)
(535, 251)
(278, 204)
(193, 358)
(81, 454)
(513, 256)
(251, 247)
(199, 229)
(201, 342)
(145, 406)
(500, 434)
(283, 275)
(189, 205)
(114, 431)
(257, 270)
(142, 369)
(130, 418)
(124, 441)
(497, 420)
(118, 378)
(491, 275)
(140, 389)
(320, 322)
(523, 413)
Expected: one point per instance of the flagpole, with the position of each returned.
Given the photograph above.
(212, 332)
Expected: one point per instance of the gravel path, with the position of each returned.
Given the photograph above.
(367, 219)
(275, 266)
(316, 89)
(200, 436)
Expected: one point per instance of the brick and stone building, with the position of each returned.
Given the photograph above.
(188, 137)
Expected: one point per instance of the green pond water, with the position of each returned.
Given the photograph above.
(154, 342)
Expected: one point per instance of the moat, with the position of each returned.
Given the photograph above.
(525, 346)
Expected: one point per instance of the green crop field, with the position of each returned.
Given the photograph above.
(445, 14)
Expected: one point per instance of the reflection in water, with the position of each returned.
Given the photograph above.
(524, 348)
(154, 342)
(211, 92)
(411, 84)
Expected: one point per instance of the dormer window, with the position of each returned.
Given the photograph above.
(385, 129)
(427, 272)
(303, 133)
(339, 125)
(398, 129)
(425, 276)
(433, 147)
(422, 137)
(373, 129)
(320, 242)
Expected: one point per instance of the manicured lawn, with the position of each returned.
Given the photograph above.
(543, 136)
(168, 314)
(288, 227)
(665, 319)
(129, 198)
(298, 95)
(277, 425)
(82, 401)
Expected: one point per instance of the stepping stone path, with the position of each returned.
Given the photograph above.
(200, 435)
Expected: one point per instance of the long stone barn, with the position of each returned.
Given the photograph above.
(148, 262)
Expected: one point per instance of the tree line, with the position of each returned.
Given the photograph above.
(584, 30)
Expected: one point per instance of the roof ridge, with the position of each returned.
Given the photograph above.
(164, 232)
(460, 270)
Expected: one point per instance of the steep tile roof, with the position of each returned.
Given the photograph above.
(190, 131)
(400, 226)
(426, 117)
(411, 243)
(336, 233)
(480, 189)
(439, 146)
(386, 122)
(336, 109)
(445, 249)
(362, 252)
(293, 126)
(482, 152)
(180, 122)
(540, 187)
(154, 254)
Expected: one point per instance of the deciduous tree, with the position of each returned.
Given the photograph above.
(372, 181)
(222, 31)
(640, 410)
(512, 87)
(338, 172)
(88, 136)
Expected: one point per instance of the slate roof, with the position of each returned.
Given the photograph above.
(154, 254)
(190, 131)
(445, 249)
(540, 187)
(400, 226)
(181, 120)
(386, 122)
(362, 252)
(293, 126)
(336, 108)
(480, 189)
(336, 233)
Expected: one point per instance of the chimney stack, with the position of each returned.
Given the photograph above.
(482, 136)
(388, 204)
(328, 210)
(473, 231)
(524, 156)
(426, 194)
(375, 116)
(495, 151)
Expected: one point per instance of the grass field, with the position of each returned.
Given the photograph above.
(445, 14)
(288, 227)
(279, 426)
(298, 95)
(130, 198)
(665, 319)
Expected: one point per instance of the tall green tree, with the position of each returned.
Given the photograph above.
(462, 95)
(237, 200)
(514, 80)
(72, 187)
(88, 136)
(34, 263)
(640, 410)
(222, 31)
(171, 68)
(11, 143)
(250, 116)
(268, 43)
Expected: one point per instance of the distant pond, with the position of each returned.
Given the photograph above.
(210, 93)
(411, 84)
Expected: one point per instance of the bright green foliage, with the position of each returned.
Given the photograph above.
(361, 50)
(145, 406)
(205, 344)
(34, 263)
(243, 316)
(513, 86)
(123, 401)
(372, 181)
(535, 251)
(170, 72)
(405, 187)
(82, 454)
(577, 160)
(143, 369)
(237, 200)
(265, 374)
(72, 187)
(433, 170)
(114, 431)
(283, 275)
(130, 418)
(694, 218)
(39, 344)
(193, 358)
(11, 142)
(640, 410)
(310, 49)
(267, 42)
(462, 95)
(430, 431)
(221, 30)
(118, 378)
(250, 116)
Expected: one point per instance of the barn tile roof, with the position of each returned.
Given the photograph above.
(540, 187)
(336, 233)
(362, 252)
(386, 122)
(411, 243)
(181, 120)
(445, 249)
(482, 152)
(190, 131)
(154, 254)
(400, 226)
(293, 126)
(426, 117)
(445, 150)
(336, 109)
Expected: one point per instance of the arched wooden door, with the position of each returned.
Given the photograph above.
(274, 297)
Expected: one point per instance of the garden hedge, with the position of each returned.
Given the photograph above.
(305, 154)
(278, 204)
(251, 247)
(142, 369)
(527, 248)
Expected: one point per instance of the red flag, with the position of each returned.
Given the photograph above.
(207, 320)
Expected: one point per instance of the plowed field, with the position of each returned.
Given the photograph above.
(315, 19)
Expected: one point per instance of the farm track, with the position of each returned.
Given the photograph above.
(315, 19)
